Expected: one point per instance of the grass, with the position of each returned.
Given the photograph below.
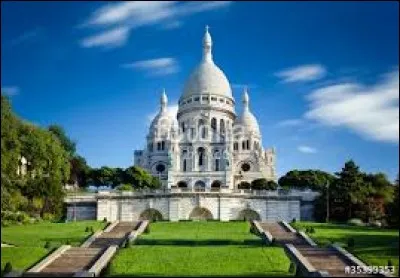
(199, 249)
(30, 240)
(36, 235)
(374, 246)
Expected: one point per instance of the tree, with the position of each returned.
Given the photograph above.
(393, 206)
(66, 142)
(263, 184)
(348, 191)
(312, 179)
(79, 170)
(244, 185)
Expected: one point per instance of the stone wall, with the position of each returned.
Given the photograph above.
(179, 206)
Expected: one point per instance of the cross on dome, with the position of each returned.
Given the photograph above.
(163, 100)
(207, 44)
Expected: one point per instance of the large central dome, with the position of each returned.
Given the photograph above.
(207, 78)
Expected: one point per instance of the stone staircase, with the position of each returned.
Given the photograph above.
(323, 259)
(80, 259)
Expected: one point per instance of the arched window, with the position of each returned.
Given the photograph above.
(222, 126)
(184, 165)
(162, 145)
(247, 145)
(214, 123)
(183, 127)
(204, 132)
(158, 146)
(217, 164)
(243, 145)
(201, 153)
(235, 146)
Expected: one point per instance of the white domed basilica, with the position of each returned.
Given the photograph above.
(208, 146)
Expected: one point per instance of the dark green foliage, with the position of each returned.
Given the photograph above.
(91, 229)
(127, 244)
(39, 191)
(244, 185)
(389, 263)
(67, 242)
(7, 268)
(350, 242)
(147, 229)
(313, 179)
(105, 219)
(263, 184)
(87, 229)
(47, 245)
(293, 220)
(292, 267)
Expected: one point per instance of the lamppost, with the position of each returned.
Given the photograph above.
(327, 201)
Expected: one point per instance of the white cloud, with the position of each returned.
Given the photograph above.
(371, 111)
(134, 14)
(172, 25)
(26, 36)
(172, 112)
(110, 38)
(290, 122)
(306, 149)
(158, 66)
(302, 73)
(10, 91)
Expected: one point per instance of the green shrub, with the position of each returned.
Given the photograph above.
(147, 229)
(389, 263)
(312, 230)
(127, 244)
(292, 267)
(87, 229)
(48, 216)
(7, 268)
(350, 242)
(91, 229)
(355, 222)
(47, 245)
(293, 220)
(124, 187)
(105, 220)
(67, 242)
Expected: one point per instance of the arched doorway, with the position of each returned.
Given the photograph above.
(200, 213)
(199, 186)
(151, 214)
(248, 215)
(182, 184)
(216, 185)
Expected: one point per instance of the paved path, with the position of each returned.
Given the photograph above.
(77, 259)
(321, 258)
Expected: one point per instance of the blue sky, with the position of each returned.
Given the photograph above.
(322, 77)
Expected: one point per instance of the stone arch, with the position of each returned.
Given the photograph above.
(201, 213)
(182, 184)
(151, 214)
(216, 184)
(199, 185)
(248, 215)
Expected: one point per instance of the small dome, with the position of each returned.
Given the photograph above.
(207, 77)
(247, 119)
(163, 120)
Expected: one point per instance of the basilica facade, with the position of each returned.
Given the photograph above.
(208, 146)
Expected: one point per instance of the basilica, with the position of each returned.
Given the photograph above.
(208, 146)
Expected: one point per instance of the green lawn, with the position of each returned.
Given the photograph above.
(199, 249)
(374, 246)
(30, 240)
